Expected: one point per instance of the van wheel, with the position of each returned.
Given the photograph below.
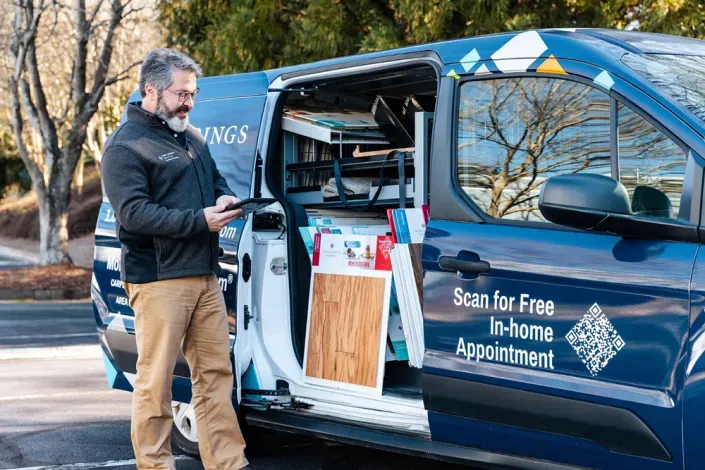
(183, 431)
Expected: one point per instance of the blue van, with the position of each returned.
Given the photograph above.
(563, 288)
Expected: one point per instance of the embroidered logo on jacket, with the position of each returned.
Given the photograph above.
(167, 157)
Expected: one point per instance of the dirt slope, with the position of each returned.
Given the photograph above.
(20, 218)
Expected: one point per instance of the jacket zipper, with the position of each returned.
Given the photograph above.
(200, 190)
(200, 186)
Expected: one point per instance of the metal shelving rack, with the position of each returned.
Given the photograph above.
(416, 187)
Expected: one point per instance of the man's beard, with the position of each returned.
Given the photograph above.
(174, 122)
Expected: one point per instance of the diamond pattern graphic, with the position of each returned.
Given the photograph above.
(595, 310)
(470, 60)
(595, 340)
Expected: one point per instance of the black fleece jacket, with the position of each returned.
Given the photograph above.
(158, 190)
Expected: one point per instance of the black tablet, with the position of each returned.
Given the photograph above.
(251, 205)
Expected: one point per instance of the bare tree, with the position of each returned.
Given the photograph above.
(62, 134)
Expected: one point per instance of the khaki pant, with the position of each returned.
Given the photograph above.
(188, 313)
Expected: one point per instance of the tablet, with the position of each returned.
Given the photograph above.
(251, 205)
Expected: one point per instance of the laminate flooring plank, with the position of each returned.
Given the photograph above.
(346, 321)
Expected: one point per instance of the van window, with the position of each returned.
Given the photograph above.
(651, 166)
(514, 133)
(679, 76)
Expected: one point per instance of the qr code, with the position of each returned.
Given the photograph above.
(595, 340)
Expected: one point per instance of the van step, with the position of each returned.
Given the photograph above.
(402, 391)
(282, 392)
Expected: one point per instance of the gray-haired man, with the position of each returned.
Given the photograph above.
(170, 200)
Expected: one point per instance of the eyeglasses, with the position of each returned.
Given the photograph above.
(184, 95)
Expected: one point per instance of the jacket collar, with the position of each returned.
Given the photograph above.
(138, 115)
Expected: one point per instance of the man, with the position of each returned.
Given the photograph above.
(170, 201)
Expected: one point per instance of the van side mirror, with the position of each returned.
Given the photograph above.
(582, 200)
(600, 203)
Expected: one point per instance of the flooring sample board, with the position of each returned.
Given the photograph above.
(346, 119)
(411, 302)
(348, 312)
(409, 339)
(408, 225)
(408, 283)
(344, 213)
(389, 354)
(371, 229)
(415, 311)
(343, 344)
(307, 234)
(319, 221)
(395, 329)
(352, 254)
(337, 229)
(415, 254)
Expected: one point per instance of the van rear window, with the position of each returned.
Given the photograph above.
(680, 76)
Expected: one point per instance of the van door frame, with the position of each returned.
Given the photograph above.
(289, 80)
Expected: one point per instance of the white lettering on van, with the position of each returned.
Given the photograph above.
(470, 299)
(224, 282)
(217, 134)
(228, 232)
(230, 134)
(113, 264)
(110, 216)
(225, 135)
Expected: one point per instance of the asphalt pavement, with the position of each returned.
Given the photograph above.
(57, 412)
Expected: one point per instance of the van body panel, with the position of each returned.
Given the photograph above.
(242, 85)
(694, 389)
(641, 288)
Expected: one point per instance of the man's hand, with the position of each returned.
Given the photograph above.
(217, 217)
(226, 200)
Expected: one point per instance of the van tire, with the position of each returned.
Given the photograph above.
(183, 429)
(183, 435)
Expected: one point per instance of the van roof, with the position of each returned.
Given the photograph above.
(577, 43)
(599, 46)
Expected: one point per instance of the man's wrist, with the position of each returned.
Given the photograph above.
(201, 221)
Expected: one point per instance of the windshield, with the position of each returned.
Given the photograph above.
(680, 76)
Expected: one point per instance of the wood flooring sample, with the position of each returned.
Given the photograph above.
(415, 250)
(345, 325)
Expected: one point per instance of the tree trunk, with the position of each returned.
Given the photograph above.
(54, 209)
(53, 229)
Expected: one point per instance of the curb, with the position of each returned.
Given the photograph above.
(43, 294)
(19, 254)
(84, 351)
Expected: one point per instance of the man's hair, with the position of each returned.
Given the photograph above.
(158, 65)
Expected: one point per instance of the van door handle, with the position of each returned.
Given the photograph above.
(451, 263)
